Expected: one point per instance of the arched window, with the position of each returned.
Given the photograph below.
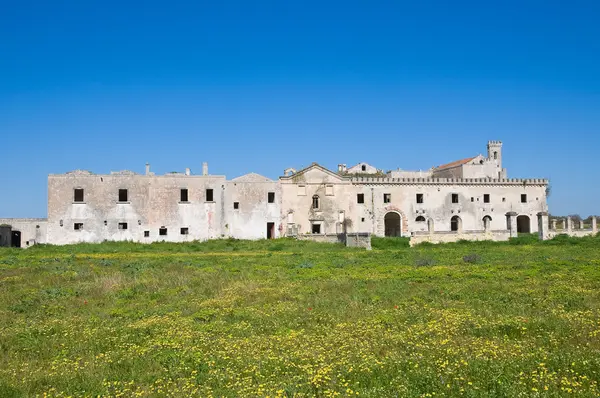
(420, 219)
(495, 155)
(455, 224)
(315, 202)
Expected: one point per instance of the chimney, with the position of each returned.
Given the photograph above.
(147, 169)
(204, 168)
(187, 171)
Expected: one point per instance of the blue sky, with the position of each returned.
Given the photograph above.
(262, 86)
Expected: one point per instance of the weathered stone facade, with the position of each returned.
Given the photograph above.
(471, 198)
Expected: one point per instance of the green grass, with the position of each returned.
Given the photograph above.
(289, 318)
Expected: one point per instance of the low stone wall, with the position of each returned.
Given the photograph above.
(447, 237)
(577, 233)
(354, 239)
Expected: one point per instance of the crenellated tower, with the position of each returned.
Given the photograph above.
(494, 149)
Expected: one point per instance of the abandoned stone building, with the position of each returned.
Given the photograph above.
(471, 198)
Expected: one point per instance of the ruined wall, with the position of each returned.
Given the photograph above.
(153, 202)
(250, 220)
(33, 230)
(447, 237)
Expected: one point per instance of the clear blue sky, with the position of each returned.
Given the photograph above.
(262, 86)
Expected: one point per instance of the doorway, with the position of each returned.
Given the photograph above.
(270, 230)
(16, 239)
(523, 225)
(392, 222)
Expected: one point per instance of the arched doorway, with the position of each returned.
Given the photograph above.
(393, 224)
(523, 225)
(487, 223)
(455, 224)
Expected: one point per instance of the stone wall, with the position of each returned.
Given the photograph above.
(447, 237)
(32, 230)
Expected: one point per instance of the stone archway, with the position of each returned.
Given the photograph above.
(455, 224)
(523, 225)
(392, 224)
(487, 223)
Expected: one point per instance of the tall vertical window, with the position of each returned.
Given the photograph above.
(271, 197)
(419, 198)
(78, 195)
(183, 195)
(387, 198)
(209, 195)
(486, 198)
(454, 198)
(315, 202)
(523, 198)
(123, 197)
(360, 198)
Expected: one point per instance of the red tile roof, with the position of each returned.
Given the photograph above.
(455, 163)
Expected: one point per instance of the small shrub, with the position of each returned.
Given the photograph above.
(424, 262)
(472, 258)
(305, 264)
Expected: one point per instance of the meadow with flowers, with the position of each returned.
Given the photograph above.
(285, 318)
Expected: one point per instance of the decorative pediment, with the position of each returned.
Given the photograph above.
(252, 177)
(315, 173)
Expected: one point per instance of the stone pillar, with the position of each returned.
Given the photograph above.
(594, 226)
(543, 225)
(147, 169)
(581, 226)
(554, 224)
(204, 169)
(511, 221)
(569, 225)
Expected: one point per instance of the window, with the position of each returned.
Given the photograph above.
(78, 195)
(122, 195)
(301, 190)
(387, 197)
(362, 219)
(78, 226)
(420, 219)
(504, 199)
(455, 223)
(419, 198)
(329, 190)
(183, 195)
(146, 234)
(236, 205)
(495, 155)
(523, 198)
(315, 202)
(360, 198)
(184, 231)
(162, 231)
(271, 197)
(363, 168)
(472, 199)
(486, 198)
(122, 225)
(316, 228)
(209, 195)
(454, 198)
(105, 223)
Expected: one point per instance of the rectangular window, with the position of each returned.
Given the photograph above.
(454, 198)
(486, 198)
(146, 234)
(78, 195)
(472, 199)
(301, 190)
(183, 195)
(236, 205)
(122, 225)
(419, 198)
(329, 190)
(185, 231)
(504, 199)
(387, 197)
(209, 195)
(360, 198)
(271, 197)
(162, 231)
(123, 195)
(316, 228)
(523, 198)
(78, 226)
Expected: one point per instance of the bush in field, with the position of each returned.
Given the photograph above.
(472, 258)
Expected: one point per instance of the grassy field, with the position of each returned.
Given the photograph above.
(285, 318)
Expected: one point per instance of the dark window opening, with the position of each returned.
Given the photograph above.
(486, 198)
(122, 195)
(363, 168)
(209, 195)
(387, 197)
(504, 199)
(270, 230)
(420, 219)
(105, 223)
(315, 202)
(184, 231)
(495, 155)
(362, 219)
(146, 234)
(123, 225)
(454, 198)
(78, 226)
(236, 205)
(162, 231)
(271, 197)
(78, 195)
(316, 228)
(360, 198)
(454, 223)
(419, 198)
(472, 199)
(523, 198)
(183, 196)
